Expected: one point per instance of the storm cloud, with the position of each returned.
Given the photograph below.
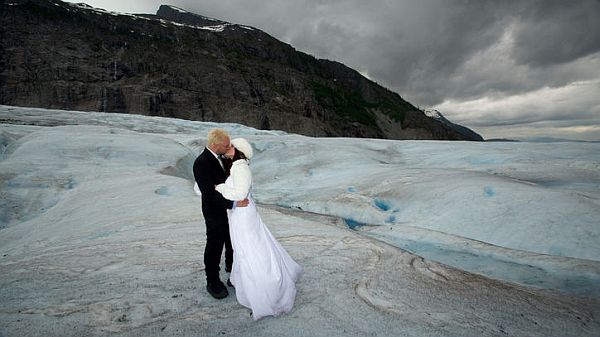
(481, 63)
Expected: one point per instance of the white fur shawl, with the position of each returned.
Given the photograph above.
(242, 180)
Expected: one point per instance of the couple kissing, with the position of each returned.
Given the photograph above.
(262, 273)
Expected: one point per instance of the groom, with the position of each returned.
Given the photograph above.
(209, 171)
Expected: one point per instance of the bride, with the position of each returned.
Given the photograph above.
(263, 273)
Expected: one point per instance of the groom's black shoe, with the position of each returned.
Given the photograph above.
(216, 289)
(229, 283)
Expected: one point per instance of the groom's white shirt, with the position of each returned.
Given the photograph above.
(242, 180)
(216, 156)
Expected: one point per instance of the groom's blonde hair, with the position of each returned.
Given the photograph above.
(217, 136)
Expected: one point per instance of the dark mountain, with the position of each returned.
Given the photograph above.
(178, 64)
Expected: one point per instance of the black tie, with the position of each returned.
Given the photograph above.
(222, 161)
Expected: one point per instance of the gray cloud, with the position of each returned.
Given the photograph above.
(555, 32)
(444, 53)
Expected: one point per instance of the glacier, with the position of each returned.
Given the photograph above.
(101, 231)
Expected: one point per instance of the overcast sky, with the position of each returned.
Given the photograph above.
(505, 68)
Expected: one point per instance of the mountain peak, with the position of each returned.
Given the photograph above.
(176, 8)
(468, 133)
(176, 14)
(433, 113)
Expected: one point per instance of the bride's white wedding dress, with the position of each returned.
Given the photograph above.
(263, 273)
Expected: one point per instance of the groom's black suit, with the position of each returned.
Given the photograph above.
(209, 173)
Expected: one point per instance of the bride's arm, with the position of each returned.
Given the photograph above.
(242, 180)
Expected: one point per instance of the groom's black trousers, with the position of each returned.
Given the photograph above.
(208, 173)
(217, 236)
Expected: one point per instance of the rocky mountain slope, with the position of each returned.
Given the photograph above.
(178, 64)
